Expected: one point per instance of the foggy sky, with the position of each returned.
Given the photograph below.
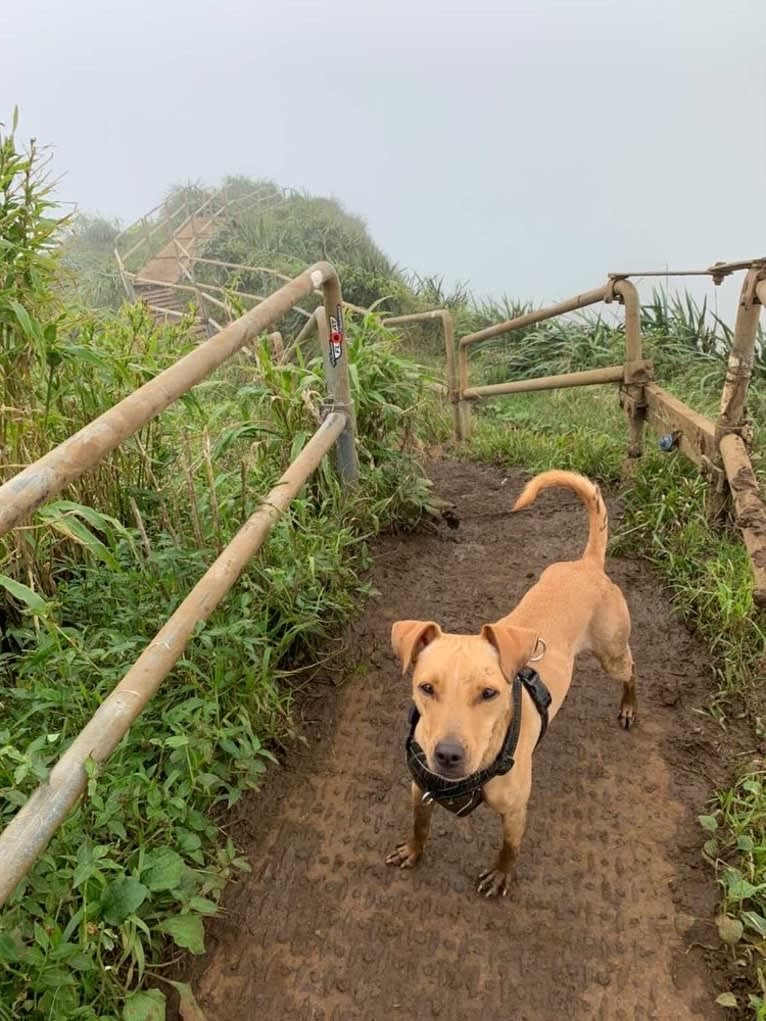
(525, 146)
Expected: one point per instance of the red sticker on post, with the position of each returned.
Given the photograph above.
(336, 336)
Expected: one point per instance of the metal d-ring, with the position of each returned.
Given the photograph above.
(540, 641)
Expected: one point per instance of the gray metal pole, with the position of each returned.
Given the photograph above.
(333, 339)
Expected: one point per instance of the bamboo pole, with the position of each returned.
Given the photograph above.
(148, 281)
(742, 353)
(637, 373)
(508, 326)
(41, 481)
(590, 377)
(448, 334)
(539, 316)
(732, 418)
(751, 513)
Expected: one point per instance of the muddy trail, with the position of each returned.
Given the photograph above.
(611, 912)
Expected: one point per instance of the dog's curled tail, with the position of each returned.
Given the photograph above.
(590, 495)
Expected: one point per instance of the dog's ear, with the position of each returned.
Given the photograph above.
(515, 646)
(410, 637)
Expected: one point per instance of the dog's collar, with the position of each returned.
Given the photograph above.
(462, 796)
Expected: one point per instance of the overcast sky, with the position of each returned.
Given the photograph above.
(525, 146)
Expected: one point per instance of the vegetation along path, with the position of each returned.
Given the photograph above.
(611, 912)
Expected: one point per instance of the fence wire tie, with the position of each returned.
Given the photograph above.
(329, 407)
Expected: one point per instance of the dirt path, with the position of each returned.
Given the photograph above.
(601, 921)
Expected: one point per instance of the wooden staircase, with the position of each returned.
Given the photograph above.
(173, 266)
(166, 281)
(173, 263)
(166, 304)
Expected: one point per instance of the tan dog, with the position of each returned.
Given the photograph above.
(462, 683)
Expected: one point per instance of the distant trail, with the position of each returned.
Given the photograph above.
(600, 920)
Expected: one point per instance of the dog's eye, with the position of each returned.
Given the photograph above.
(427, 689)
(489, 693)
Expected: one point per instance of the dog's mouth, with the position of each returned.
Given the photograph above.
(457, 770)
(449, 772)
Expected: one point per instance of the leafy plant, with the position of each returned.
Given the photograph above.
(28, 263)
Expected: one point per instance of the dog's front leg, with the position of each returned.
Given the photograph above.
(513, 812)
(407, 855)
(495, 882)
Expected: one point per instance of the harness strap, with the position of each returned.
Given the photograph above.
(540, 696)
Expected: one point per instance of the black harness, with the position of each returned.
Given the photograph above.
(462, 796)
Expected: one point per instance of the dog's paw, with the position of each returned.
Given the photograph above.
(628, 716)
(403, 857)
(494, 883)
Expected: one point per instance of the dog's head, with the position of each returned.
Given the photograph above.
(461, 685)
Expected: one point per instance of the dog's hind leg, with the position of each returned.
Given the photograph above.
(610, 631)
(622, 668)
(408, 854)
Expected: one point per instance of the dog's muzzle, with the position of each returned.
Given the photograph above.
(462, 796)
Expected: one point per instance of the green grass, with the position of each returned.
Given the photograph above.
(582, 430)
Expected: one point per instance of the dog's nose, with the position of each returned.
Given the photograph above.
(450, 755)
